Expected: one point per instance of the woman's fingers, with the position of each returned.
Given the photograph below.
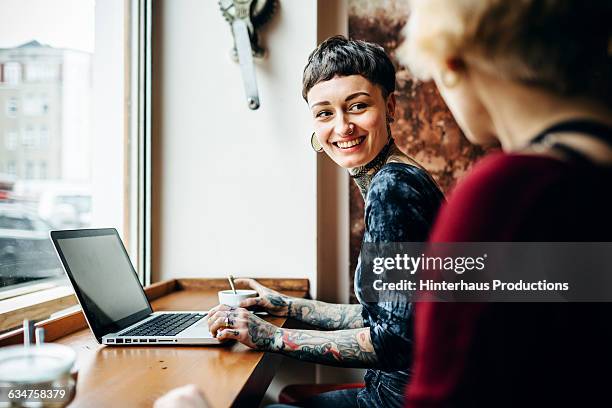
(227, 334)
(221, 313)
(217, 324)
(220, 319)
(218, 308)
(251, 283)
(227, 318)
(215, 310)
(234, 311)
(242, 327)
(251, 302)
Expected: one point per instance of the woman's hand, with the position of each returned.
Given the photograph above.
(225, 322)
(188, 396)
(273, 302)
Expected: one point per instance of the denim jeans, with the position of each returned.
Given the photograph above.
(381, 391)
(332, 399)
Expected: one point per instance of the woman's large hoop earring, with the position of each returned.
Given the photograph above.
(449, 78)
(314, 142)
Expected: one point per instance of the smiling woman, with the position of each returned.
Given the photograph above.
(349, 87)
(350, 119)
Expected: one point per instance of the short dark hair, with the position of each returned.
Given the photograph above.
(343, 57)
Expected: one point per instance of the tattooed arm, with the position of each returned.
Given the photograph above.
(344, 348)
(326, 315)
(319, 314)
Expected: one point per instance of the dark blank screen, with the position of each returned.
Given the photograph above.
(105, 278)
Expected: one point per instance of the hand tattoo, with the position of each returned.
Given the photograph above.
(277, 300)
(261, 334)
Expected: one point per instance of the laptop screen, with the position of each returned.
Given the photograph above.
(103, 278)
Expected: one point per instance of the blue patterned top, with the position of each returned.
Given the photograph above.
(400, 206)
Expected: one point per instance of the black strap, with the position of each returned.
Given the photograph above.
(591, 128)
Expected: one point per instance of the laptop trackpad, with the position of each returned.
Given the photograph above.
(198, 330)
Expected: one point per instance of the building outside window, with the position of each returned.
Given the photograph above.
(52, 178)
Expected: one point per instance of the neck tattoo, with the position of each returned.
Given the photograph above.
(363, 175)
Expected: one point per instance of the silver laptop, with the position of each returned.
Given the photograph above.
(113, 301)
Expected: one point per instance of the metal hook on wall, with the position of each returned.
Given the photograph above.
(245, 18)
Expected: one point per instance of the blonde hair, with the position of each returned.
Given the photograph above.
(561, 45)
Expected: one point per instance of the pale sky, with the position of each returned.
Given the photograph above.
(59, 23)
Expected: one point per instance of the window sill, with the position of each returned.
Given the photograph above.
(31, 287)
(35, 306)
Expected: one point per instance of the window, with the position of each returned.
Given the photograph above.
(11, 107)
(35, 105)
(29, 137)
(12, 222)
(32, 105)
(29, 170)
(11, 141)
(44, 137)
(37, 72)
(11, 168)
(56, 181)
(12, 73)
(42, 173)
(44, 104)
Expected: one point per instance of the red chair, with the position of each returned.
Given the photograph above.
(299, 392)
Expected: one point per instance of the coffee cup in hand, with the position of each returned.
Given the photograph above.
(228, 297)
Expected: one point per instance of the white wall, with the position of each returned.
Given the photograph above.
(235, 190)
(239, 191)
(108, 143)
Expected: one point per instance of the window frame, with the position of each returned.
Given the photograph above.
(138, 232)
(137, 176)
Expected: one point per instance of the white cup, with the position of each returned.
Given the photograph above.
(45, 366)
(228, 297)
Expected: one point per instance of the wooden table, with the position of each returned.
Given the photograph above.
(134, 376)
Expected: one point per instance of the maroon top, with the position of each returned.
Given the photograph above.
(518, 354)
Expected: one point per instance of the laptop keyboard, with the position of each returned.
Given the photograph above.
(167, 324)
